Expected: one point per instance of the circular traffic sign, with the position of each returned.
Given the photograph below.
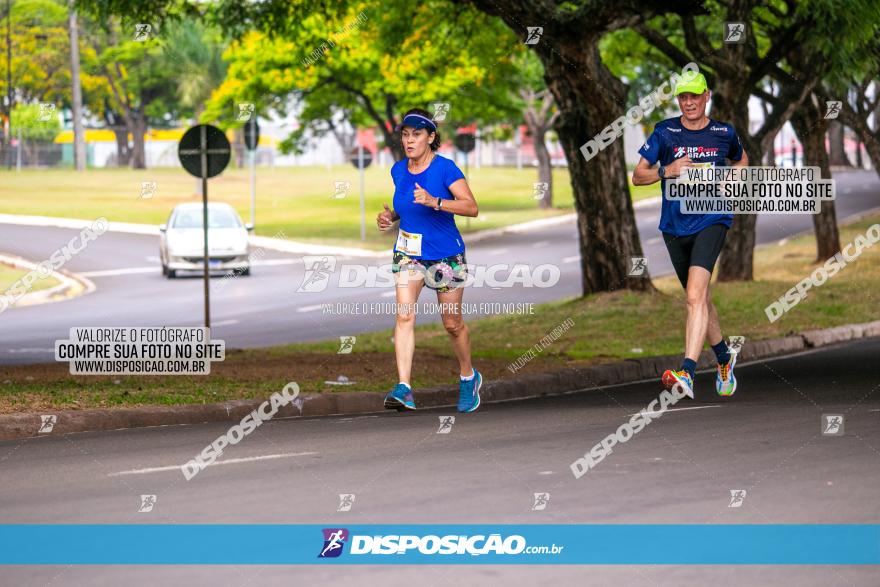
(353, 157)
(465, 142)
(204, 151)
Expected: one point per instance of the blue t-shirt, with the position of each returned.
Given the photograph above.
(713, 145)
(440, 236)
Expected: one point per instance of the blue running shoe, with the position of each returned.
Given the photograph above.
(400, 399)
(469, 393)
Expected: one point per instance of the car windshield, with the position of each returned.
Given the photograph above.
(217, 218)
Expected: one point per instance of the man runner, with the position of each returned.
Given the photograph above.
(693, 240)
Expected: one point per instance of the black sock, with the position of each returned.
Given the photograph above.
(690, 366)
(722, 353)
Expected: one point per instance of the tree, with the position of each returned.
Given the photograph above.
(589, 97)
(368, 68)
(815, 36)
(540, 114)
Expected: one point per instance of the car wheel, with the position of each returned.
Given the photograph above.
(246, 272)
(170, 273)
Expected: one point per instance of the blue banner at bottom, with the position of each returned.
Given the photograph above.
(285, 544)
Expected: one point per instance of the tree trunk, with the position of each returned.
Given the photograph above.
(123, 153)
(810, 126)
(871, 142)
(730, 104)
(545, 168)
(836, 149)
(589, 97)
(79, 135)
(138, 132)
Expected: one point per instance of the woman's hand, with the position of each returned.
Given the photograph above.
(386, 218)
(421, 196)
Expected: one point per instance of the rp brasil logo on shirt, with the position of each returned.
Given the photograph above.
(696, 152)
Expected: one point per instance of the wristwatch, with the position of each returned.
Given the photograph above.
(662, 172)
(439, 204)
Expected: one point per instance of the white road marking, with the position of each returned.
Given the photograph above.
(496, 251)
(153, 259)
(126, 271)
(283, 455)
(691, 408)
(653, 241)
(541, 243)
(571, 259)
(224, 323)
(268, 262)
(388, 294)
(311, 308)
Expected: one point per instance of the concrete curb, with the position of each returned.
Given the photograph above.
(577, 380)
(71, 286)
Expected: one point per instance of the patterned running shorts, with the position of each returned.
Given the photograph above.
(441, 275)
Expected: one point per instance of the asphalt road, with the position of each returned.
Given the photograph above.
(766, 440)
(266, 309)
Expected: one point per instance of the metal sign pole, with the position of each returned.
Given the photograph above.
(204, 156)
(363, 208)
(253, 153)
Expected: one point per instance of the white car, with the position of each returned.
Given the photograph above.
(181, 241)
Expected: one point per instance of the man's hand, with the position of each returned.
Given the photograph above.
(420, 196)
(386, 218)
(674, 168)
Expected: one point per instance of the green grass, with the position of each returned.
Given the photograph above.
(606, 327)
(296, 201)
(10, 275)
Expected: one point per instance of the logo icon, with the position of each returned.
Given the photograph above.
(340, 189)
(142, 31)
(680, 152)
(334, 540)
(317, 272)
(541, 501)
(148, 189)
(446, 423)
(147, 503)
(346, 500)
(736, 343)
(245, 111)
(540, 190)
(346, 345)
(47, 423)
(47, 111)
(832, 109)
(734, 33)
(832, 424)
(737, 496)
(638, 266)
(441, 109)
(533, 34)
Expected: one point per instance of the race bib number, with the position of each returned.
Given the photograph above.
(409, 243)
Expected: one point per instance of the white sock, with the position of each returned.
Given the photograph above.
(469, 377)
(407, 385)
